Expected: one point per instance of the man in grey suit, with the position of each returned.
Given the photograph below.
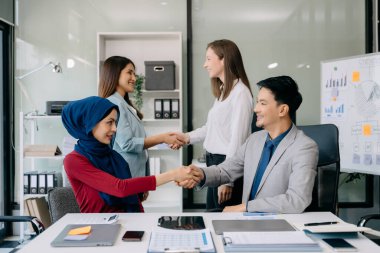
(278, 163)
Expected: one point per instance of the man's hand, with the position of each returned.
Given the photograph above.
(181, 137)
(174, 140)
(145, 196)
(194, 176)
(237, 208)
(224, 193)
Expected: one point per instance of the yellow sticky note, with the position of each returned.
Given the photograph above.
(367, 130)
(80, 230)
(356, 76)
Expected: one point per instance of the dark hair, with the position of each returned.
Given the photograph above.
(285, 91)
(233, 67)
(109, 78)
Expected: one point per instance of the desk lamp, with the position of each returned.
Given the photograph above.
(56, 68)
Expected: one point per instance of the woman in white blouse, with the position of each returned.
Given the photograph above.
(229, 120)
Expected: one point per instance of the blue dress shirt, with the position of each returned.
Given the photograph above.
(269, 148)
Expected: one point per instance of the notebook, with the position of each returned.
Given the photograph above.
(101, 235)
(221, 226)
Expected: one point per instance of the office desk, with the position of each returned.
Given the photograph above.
(148, 221)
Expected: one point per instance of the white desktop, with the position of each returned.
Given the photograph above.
(148, 222)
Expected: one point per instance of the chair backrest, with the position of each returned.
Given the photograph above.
(325, 192)
(61, 201)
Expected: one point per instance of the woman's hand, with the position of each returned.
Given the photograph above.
(193, 175)
(185, 176)
(183, 138)
(174, 140)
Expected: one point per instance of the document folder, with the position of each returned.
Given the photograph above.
(42, 183)
(175, 109)
(293, 241)
(166, 106)
(26, 183)
(221, 226)
(49, 181)
(158, 108)
(33, 183)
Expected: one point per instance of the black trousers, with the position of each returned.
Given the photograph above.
(212, 192)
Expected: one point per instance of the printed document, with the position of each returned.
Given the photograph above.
(181, 240)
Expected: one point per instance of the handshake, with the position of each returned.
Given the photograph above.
(175, 140)
(188, 176)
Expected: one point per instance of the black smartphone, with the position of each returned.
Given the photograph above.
(339, 244)
(133, 236)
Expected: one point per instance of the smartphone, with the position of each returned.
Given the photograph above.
(133, 236)
(339, 245)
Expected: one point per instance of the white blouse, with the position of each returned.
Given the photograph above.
(228, 123)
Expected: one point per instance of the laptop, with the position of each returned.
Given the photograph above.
(101, 235)
(221, 226)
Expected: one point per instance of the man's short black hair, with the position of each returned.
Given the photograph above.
(285, 91)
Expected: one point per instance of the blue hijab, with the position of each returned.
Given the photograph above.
(80, 117)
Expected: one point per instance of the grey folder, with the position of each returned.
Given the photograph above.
(101, 235)
(221, 226)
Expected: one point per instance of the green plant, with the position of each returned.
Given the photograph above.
(137, 93)
(350, 178)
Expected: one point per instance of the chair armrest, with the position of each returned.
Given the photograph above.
(37, 225)
(363, 220)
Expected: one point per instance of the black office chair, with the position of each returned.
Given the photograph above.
(37, 225)
(363, 222)
(61, 201)
(325, 191)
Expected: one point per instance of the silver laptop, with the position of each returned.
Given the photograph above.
(221, 226)
(101, 235)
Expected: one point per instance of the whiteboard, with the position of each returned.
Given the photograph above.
(350, 99)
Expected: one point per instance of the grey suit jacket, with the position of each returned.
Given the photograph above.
(287, 184)
(130, 135)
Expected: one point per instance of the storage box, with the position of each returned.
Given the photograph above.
(159, 75)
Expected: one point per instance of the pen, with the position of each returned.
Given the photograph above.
(321, 223)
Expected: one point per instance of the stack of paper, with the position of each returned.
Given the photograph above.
(164, 240)
(292, 241)
(41, 150)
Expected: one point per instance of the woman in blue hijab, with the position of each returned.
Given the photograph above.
(100, 177)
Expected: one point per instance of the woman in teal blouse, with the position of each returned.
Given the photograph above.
(117, 80)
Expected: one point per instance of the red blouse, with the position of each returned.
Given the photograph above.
(87, 181)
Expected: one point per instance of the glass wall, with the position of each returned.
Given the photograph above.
(296, 35)
(66, 32)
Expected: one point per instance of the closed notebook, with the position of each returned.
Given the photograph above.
(100, 235)
(221, 226)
